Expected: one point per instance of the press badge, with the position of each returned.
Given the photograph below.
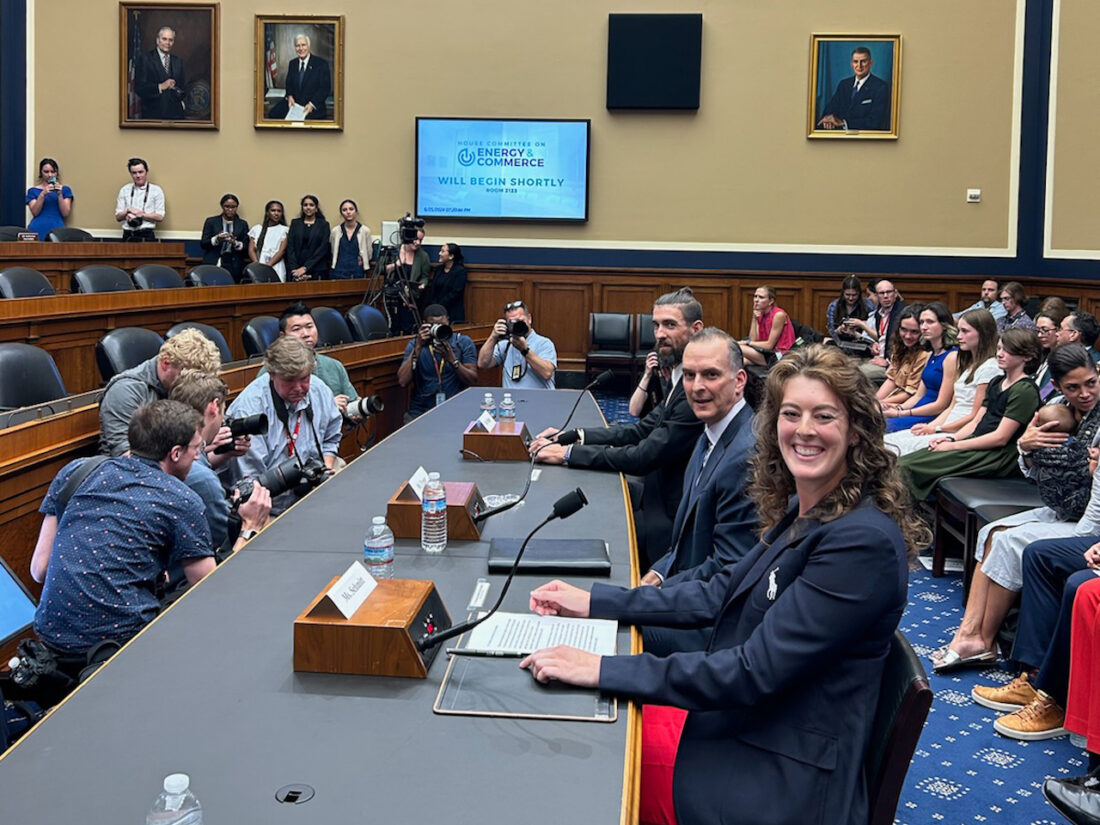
(440, 397)
(516, 372)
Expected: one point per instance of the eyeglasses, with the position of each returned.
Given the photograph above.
(1045, 330)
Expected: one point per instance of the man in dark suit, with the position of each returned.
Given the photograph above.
(716, 522)
(657, 447)
(159, 80)
(308, 84)
(861, 102)
(225, 239)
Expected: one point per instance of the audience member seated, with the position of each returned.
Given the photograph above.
(771, 331)
(850, 304)
(1080, 327)
(350, 242)
(907, 359)
(50, 201)
(988, 301)
(307, 248)
(658, 447)
(986, 447)
(268, 239)
(1060, 468)
(975, 367)
(224, 239)
(448, 286)
(303, 421)
(526, 358)
(715, 524)
(437, 367)
(1047, 325)
(781, 704)
(1013, 298)
(149, 381)
(1052, 303)
(937, 379)
(100, 584)
(880, 326)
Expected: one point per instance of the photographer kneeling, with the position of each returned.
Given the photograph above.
(303, 433)
(438, 363)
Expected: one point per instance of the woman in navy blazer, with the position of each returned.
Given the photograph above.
(781, 703)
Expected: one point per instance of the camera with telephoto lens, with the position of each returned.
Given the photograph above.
(409, 226)
(517, 328)
(366, 406)
(441, 332)
(287, 475)
(249, 425)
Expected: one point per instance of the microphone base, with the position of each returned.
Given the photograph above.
(380, 637)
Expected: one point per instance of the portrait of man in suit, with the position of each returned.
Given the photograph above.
(160, 80)
(304, 87)
(854, 88)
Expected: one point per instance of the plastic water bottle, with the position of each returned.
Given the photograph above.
(378, 549)
(433, 518)
(176, 805)
(489, 405)
(508, 409)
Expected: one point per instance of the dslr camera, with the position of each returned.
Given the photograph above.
(287, 475)
(249, 425)
(366, 406)
(134, 223)
(408, 226)
(441, 332)
(517, 328)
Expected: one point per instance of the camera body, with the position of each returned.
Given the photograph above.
(249, 425)
(517, 328)
(441, 332)
(134, 223)
(408, 227)
(289, 474)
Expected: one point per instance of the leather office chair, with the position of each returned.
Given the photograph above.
(258, 334)
(332, 329)
(258, 273)
(24, 282)
(123, 348)
(69, 234)
(101, 278)
(157, 276)
(610, 342)
(211, 333)
(209, 275)
(28, 376)
(11, 233)
(367, 323)
(899, 719)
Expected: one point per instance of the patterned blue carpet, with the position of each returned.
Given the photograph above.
(962, 772)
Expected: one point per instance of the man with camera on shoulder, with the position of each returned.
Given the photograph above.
(438, 363)
(302, 438)
(527, 359)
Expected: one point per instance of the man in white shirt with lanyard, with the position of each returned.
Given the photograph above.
(140, 205)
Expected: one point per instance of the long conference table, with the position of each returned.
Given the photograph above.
(209, 689)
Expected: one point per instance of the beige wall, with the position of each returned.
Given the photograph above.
(739, 171)
(1074, 197)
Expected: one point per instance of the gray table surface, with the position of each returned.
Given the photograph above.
(209, 689)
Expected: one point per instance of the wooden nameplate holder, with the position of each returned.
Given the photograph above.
(508, 441)
(380, 637)
(464, 503)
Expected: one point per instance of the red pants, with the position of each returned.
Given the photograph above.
(1083, 705)
(661, 729)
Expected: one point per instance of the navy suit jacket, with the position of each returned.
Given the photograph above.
(148, 74)
(234, 262)
(314, 88)
(716, 522)
(658, 448)
(870, 109)
(782, 701)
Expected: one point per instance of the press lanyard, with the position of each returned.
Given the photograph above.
(291, 438)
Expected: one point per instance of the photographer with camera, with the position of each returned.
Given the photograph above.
(527, 358)
(224, 239)
(438, 363)
(159, 80)
(140, 204)
(303, 421)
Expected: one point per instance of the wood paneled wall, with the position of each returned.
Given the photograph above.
(58, 261)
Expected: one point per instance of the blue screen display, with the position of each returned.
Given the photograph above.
(16, 607)
(502, 169)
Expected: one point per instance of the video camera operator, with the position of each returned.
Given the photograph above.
(438, 363)
(407, 277)
(303, 421)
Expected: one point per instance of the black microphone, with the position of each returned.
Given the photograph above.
(601, 380)
(564, 507)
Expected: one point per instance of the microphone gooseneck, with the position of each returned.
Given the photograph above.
(600, 380)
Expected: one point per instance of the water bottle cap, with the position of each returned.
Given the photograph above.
(488, 395)
(176, 783)
(433, 476)
(507, 396)
(378, 520)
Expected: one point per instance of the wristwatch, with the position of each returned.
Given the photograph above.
(939, 428)
(247, 534)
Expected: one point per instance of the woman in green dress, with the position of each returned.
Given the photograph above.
(986, 447)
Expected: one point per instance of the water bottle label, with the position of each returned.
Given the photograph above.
(432, 506)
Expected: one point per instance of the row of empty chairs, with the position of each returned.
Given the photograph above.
(63, 234)
(618, 339)
(24, 282)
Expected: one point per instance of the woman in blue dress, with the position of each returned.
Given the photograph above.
(937, 383)
(50, 201)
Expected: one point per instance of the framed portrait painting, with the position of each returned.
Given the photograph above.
(299, 72)
(169, 65)
(855, 86)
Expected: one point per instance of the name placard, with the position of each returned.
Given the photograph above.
(351, 589)
(418, 480)
(487, 421)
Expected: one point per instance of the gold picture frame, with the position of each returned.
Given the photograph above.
(175, 87)
(278, 75)
(837, 107)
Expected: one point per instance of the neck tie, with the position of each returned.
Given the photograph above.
(706, 455)
(164, 60)
(855, 89)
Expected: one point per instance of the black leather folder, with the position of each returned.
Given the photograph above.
(551, 556)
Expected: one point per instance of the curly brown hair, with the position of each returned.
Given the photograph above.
(872, 468)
